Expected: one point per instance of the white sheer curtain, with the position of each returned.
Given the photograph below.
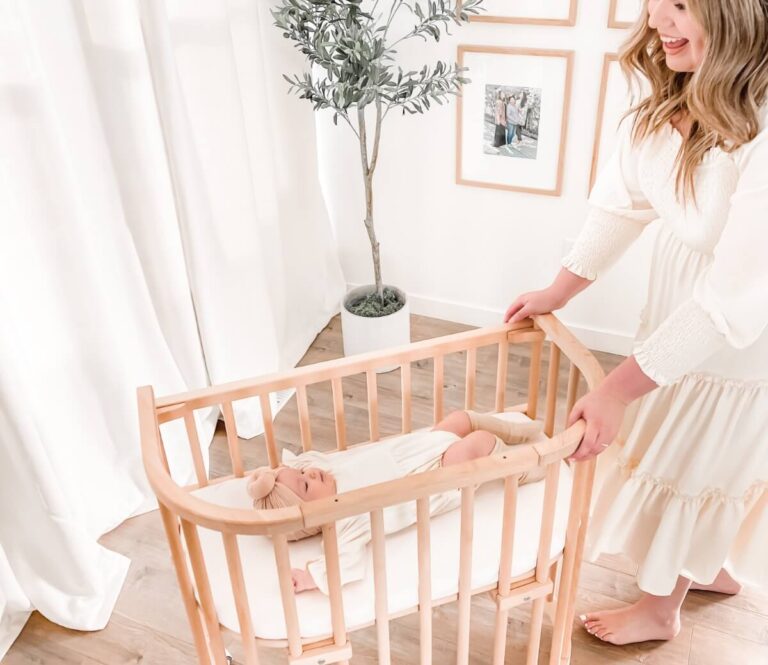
(161, 222)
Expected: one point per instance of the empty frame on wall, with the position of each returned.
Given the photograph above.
(511, 119)
(528, 12)
(624, 13)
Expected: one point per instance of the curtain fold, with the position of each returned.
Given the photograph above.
(162, 223)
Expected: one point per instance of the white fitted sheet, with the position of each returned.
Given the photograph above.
(260, 571)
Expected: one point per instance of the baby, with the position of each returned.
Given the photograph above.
(460, 437)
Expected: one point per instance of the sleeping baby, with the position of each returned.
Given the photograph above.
(460, 437)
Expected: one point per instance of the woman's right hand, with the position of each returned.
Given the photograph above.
(533, 302)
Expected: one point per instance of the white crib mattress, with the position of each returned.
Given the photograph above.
(260, 571)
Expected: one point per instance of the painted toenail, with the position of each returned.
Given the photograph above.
(583, 617)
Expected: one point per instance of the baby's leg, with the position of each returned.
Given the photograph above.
(457, 422)
(474, 445)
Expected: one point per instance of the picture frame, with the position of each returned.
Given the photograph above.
(623, 13)
(532, 88)
(527, 12)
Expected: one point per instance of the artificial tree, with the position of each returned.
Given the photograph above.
(350, 52)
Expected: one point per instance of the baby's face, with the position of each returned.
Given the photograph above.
(309, 483)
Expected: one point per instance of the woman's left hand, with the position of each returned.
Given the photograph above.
(603, 411)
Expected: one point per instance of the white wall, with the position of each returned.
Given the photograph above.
(464, 253)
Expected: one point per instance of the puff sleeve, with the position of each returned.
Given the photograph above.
(618, 212)
(729, 302)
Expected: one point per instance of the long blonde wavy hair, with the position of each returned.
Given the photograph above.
(722, 97)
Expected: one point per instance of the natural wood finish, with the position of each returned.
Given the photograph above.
(465, 573)
(405, 387)
(269, 432)
(232, 440)
(150, 623)
(501, 374)
(469, 379)
(504, 50)
(373, 405)
(380, 586)
(533, 378)
(194, 447)
(613, 22)
(608, 58)
(208, 609)
(304, 426)
(569, 21)
(283, 562)
(338, 413)
(505, 566)
(331, 551)
(437, 389)
(235, 567)
(551, 399)
(425, 581)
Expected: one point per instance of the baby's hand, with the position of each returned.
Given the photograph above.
(302, 580)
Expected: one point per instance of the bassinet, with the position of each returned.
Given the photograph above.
(210, 530)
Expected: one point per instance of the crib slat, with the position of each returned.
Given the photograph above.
(194, 447)
(170, 525)
(232, 440)
(533, 378)
(552, 381)
(577, 514)
(287, 594)
(505, 566)
(380, 585)
(204, 591)
(469, 379)
(269, 431)
(542, 558)
(331, 550)
(373, 404)
(338, 413)
(465, 574)
(501, 373)
(425, 580)
(405, 388)
(241, 598)
(573, 390)
(437, 388)
(306, 432)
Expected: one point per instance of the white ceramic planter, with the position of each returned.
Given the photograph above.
(361, 334)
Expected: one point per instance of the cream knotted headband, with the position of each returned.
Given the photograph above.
(268, 494)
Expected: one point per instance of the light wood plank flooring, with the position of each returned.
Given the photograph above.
(149, 625)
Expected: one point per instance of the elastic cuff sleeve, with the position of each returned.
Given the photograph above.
(684, 339)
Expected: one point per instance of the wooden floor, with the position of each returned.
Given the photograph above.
(149, 625)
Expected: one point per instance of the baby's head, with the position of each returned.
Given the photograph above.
(285, 486)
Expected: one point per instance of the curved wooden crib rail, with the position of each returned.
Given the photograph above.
(182, 512)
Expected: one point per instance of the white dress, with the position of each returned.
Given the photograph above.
(687, 490)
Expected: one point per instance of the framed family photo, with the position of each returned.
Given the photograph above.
(512, 118)
(624, 13)
(528, 12)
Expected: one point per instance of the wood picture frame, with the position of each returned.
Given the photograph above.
(540, 161)
(608, 59)
(568, 20)
(617, 13)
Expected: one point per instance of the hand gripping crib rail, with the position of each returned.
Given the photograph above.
(550, 584)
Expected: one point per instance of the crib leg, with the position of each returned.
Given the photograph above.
(534, 639)
(500, 636)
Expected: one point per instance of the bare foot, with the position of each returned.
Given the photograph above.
(647, 619)
(723, 583)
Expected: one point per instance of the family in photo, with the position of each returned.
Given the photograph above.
(511, 121)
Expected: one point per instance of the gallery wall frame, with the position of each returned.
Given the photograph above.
(609, 60)
(526, 12)
(623, 13)
(532, 160)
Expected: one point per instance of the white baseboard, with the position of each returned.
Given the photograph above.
(596, 339)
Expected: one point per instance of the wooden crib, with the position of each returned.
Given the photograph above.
(550, 584)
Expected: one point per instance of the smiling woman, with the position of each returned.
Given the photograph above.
(685, 486)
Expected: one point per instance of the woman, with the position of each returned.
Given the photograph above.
(512, 119)
(523, 112)
(500, 120)
(686, 496)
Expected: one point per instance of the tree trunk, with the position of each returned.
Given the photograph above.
(368, 180)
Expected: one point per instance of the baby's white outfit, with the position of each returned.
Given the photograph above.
(687, 492)
(379, 462)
